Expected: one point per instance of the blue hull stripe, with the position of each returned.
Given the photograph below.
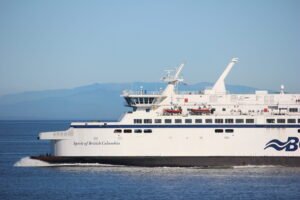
(191, 126)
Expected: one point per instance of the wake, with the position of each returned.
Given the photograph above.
(29, 162)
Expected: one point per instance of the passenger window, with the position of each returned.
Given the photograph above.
(138, 130)
(148, 131)
(249, 121)
(168, 121)
(229, 121)
(178, 121)
(239, 121)
(157, 121)
(291, 121)
(198, 121)
(147, 121)
(293, 109)
(188, 121)
(270, 121)
(117, 131)
(281, 121)
(219, 121)
(137, 121)
(229, 130)
(219, 130)
(208, 121)
(127, 131)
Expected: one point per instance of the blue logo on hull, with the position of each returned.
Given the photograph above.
(292, 144)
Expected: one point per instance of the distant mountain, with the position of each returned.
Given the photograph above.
(91, 102)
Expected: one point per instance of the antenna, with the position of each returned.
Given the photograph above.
(173, 78)
(282, 89)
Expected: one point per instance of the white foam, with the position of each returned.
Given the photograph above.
(29, 162)
(253, 166)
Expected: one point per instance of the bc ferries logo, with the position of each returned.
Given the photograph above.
(292, 144)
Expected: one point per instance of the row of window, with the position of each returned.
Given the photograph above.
(282, 121)
(197, 121)
(222, 130)
(150, 130)
(145, 100)
(134, 130)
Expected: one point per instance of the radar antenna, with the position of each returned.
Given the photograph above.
(173, 79)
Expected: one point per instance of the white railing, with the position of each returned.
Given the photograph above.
(141, 92)
(145, 92)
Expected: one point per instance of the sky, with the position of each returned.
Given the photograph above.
(61, 44)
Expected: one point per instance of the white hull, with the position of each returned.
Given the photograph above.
(174, 142)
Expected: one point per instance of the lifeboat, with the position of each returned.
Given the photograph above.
(172, 111)
(201, 110)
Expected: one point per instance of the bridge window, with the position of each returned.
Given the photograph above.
(229, 130)
(188, 121)
(148, 121)
(239, 121)
(117, 131)
(270, 121)
(219, 121)
(208, 121)
(151, 100)
(281, 121)
(137, 121)
(148, 131)
(141, 100)
(138, 130)
(229, 121)
(291, 121)
(249, 121)
(198, 121)
(168, 121)
(219, 130)
(127, 131)
(178, 121)
(157, 121)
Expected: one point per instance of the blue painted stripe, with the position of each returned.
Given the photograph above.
(192, 126)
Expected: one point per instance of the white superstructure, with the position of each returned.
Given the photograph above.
(206, 124)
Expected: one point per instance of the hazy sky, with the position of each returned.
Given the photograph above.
(62, 44)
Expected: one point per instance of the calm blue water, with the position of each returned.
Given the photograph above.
(18, 140)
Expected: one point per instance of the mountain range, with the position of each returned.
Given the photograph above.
(90, 102)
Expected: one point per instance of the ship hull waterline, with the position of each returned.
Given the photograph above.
(178, 161)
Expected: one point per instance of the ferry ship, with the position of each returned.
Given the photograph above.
(210, 128)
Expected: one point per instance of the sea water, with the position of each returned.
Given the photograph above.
(24, 178)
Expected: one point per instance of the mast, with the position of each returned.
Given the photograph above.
(172, 80)
(219, 87)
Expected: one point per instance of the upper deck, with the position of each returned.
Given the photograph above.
(211, 101)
